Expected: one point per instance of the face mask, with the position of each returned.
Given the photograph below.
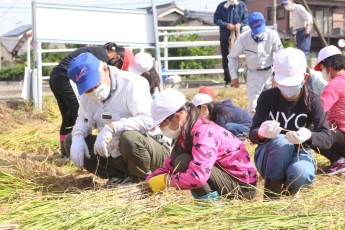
(288, 7)
(325, 75)
(101, 93)
(259, 37)
(290, 91)
(166, 131)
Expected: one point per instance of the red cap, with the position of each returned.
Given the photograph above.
(127, 59)
(207, 90)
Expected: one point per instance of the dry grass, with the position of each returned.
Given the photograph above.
(40, 191)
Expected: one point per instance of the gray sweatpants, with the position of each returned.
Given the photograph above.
(140, 156)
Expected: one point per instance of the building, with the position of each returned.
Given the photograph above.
(329, 17)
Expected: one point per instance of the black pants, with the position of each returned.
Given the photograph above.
(66, 99)
(140, 156)
(220, 180)
(224, 48)
(338, 148)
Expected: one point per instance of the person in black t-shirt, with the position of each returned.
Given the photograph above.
(281, 125)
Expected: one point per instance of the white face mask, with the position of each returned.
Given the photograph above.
(290, 91)
(326, 75)
(100, 93)
(288, 7)
(166, 131)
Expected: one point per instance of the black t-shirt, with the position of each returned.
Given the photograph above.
(98, 51)
(292, 115)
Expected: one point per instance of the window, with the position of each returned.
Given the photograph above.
(280, 13)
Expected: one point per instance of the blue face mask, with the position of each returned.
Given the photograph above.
(290, 91)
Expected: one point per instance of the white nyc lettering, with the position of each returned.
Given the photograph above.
(286, 120)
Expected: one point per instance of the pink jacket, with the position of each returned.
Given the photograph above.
(213, 145)
(333, 101)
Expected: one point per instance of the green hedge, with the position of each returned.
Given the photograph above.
(12, 73)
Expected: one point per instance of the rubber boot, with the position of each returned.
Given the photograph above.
(64, 153)
(273, 189)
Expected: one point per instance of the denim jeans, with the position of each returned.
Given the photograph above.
(278, 159)
(238, 130)
(303, 42)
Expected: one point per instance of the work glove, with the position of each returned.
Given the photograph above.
(269, 129)
(79, 149)
(157, 183)
(298, 137)
(102, 141)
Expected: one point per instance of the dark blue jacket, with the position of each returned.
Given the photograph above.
(235, 114)
(234, 14)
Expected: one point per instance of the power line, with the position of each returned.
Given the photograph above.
(9, 9)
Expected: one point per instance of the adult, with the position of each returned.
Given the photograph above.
(229, 15)
(143, 65)
(65, 95)
(117, 104)
(206, 159)
(259, 44)
(331, 63)
(224, 113)
(301, 23)
(281, 127)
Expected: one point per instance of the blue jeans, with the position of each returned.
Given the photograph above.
(303, 42)
(238, 130)
(277, 159)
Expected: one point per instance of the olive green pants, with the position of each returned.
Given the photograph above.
(220, 180)
(140, 156)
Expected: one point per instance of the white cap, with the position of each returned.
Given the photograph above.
(142, 63)
(289, 67)
(325, 53)
(165, 104)
(201, 99)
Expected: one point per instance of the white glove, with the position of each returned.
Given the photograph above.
(79, 149)
(269, 129)
(302, 135)
(103, 138)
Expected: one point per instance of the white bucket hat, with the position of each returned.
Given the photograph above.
(165, 104)
(325, 53)
(201, 99)
(289, 67)
(142, 63)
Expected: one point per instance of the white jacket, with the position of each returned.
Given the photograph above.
(128, 108)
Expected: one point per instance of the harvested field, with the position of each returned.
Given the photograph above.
(39, 190)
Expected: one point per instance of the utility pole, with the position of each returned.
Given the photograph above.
(322, 38)
(274, 7)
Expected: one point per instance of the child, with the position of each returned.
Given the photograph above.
(225, 113)
(281, 125)
(206, 159)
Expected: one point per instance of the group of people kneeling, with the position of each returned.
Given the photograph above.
(199, 145)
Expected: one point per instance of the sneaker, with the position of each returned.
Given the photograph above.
(336, 168)
(113, 182)
(227, 84)
(116, 181)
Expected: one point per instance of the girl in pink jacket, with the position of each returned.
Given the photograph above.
(206, 158)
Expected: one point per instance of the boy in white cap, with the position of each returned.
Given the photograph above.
(143, 65)
(302, 23)
(117, 104)
(331, 63)
(259, 46)
(281, 125)
(206, 158)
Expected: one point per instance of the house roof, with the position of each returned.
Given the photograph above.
(20, 30)
(203, 16)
